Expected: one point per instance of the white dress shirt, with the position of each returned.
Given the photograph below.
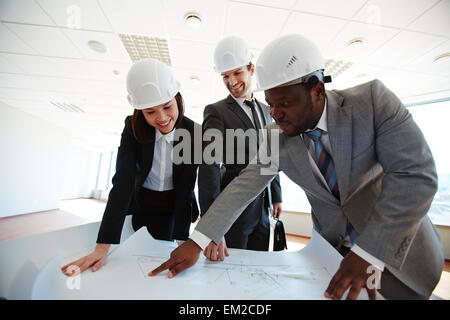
(248, 110)
(160, 177)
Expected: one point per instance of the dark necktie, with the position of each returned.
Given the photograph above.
(256, 122)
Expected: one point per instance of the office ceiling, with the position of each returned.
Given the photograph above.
(48, 69)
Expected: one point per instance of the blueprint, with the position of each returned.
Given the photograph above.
(244, 275)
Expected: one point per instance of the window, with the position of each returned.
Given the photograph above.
(106, 170)
(294, 198)
(433, 121)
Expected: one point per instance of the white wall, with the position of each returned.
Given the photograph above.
(80, 172)
(37, 164)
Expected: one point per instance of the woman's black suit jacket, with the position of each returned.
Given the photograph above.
(134, 162)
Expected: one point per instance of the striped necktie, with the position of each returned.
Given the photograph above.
(324, 162)
(326, 166)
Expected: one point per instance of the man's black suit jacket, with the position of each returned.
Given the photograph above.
(134, 162)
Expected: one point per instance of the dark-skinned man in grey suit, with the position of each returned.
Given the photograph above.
(371, 205)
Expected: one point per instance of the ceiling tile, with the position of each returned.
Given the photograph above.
(62, 85)
(115, 49)
(435, 21)
(92, 70)
(48, 41)
(341, 9)
(63, 67)
(406, 83)
(33, 64)
(326, 28)
(141, 17)
(30, 95)
(23, 11)
(282, 4)
(262, 24)
(28, 105)
(191, 55)
(79, 14)
(426, 64)
(211, 14)
(196, 81)
(398, 13)
(11, 43)
(403, 48)
(8, 65)
(374, 37)
(196, 94)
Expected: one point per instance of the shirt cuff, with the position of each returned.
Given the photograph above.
(200, 239)
(368, 257)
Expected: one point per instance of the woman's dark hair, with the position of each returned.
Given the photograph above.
(145, 133)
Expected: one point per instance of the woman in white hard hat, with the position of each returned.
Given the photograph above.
(147, 184)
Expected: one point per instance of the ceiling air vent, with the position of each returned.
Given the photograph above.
(67, 107)
(142, 47)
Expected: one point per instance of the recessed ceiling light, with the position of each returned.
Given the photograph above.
(97, 46)
(442, 58)
(193, 20)
(355, 42)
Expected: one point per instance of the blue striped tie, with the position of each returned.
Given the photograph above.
(326, 166)
(324, 162)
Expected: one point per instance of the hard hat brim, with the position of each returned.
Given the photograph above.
(161, 101)
(231, 68)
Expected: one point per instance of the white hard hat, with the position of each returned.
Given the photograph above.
(231, 53)
(150, 83)
(286, 60)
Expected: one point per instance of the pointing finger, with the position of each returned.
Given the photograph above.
(178, 268)
(166, 265)
(372, 294)
(331, 285)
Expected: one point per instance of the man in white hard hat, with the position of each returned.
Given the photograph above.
(239, 112)
(366, 169)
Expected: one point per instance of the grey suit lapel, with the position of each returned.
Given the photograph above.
(339, 122)
(299, 156)
(233, 106)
